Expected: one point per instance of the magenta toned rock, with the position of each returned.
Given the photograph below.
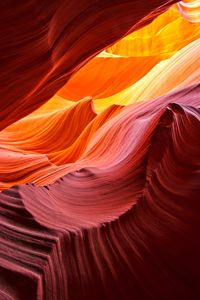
(128, 230)
(121, 217)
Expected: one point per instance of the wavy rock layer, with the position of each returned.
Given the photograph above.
(134, 56)
(103, 231)
(102, 143)
(63, 36)
(100, 198)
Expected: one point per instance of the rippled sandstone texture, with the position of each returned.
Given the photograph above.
(99, 150)
(43, 43)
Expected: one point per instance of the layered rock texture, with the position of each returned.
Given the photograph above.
(99, 150)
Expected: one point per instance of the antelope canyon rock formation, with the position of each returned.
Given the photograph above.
(100, 150)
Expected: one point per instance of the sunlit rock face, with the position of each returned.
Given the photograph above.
(190, 9)
(100, 150)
